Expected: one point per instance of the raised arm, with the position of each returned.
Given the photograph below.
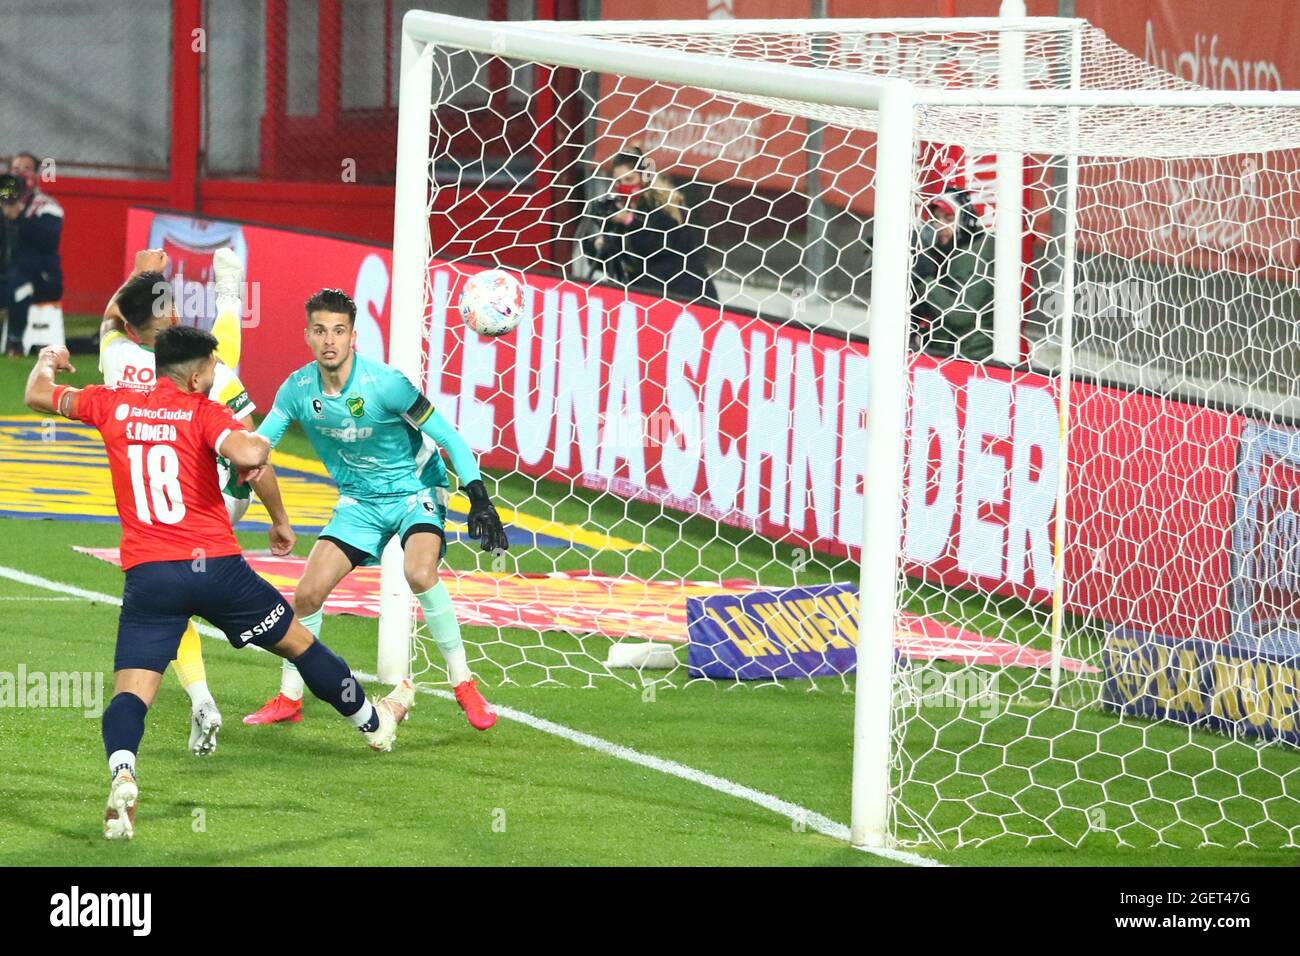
(146, 260)
(39, 394)
(228, 328)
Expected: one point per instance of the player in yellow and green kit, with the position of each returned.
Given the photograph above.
(379, 439)
(137, 312)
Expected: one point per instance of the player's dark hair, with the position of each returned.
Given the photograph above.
(27, 154)
(333, 300)
(180, 345)
(143, 298)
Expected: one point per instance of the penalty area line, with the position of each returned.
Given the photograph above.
(791, 811)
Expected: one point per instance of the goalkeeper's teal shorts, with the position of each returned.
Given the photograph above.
(363, 528)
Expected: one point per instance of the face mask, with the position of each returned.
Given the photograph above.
(943, 213)
(623, 189)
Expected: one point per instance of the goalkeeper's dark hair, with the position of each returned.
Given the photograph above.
(143, 298)
(180, 346)
(333, 300)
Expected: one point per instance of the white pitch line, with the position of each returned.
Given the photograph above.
(794, 812)
(791, 811)
(36, 581)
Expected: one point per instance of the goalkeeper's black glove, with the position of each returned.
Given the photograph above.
(484, 523)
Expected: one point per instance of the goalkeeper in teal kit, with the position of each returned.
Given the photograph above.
(378, 437)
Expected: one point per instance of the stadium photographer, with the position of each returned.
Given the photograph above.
(32, 268)
(952, 281)
(641, 234)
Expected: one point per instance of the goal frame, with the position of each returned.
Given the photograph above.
(895, 102)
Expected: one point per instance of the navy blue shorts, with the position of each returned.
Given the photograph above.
(161, 596)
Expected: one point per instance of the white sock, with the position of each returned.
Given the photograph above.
(119, 759)
(291, 684)
(363, 715)
(199, 694)
(457, 668)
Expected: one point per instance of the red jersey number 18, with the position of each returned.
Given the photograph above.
(159, 470)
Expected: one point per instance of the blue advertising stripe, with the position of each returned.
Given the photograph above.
(1265, 579)
(790, 633)
(56, 470)
(1227, 686)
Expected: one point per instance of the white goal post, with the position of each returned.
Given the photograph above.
(1087, 104)
(893, 100)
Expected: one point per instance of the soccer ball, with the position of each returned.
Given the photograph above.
(492, 302)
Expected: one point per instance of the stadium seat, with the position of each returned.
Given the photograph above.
(44, 326)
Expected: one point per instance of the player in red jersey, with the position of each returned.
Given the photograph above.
(179, 552)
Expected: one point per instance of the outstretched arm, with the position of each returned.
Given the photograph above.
(278, 419)
(228, 270)
(448, 439)
(484, 523)
(246, 450)
(401, 397)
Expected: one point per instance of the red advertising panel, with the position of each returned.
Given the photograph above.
(283, 269)
(1247, 45)
(764, 427)
(1234, 212)
(1151, 507)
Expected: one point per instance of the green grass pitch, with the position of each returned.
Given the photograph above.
(313, 794)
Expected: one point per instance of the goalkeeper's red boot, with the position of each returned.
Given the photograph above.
(479, 712)
(278, 710)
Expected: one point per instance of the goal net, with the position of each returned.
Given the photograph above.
(1010, 302)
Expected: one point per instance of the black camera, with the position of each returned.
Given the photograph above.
(11, 188)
